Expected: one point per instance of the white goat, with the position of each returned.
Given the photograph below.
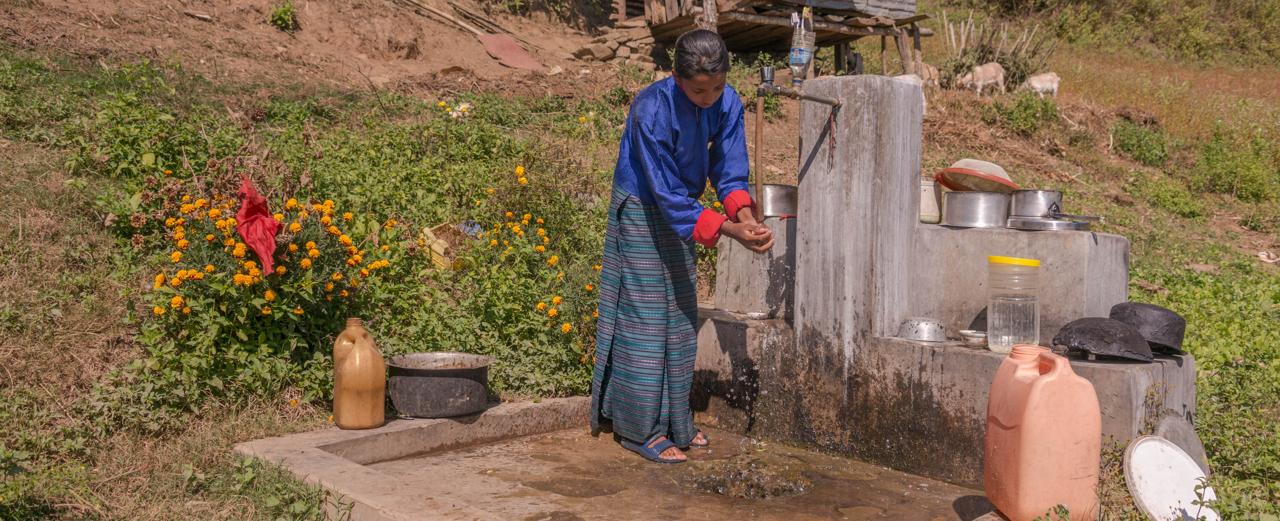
(982, 76)
(929, 74)
(1043, 83)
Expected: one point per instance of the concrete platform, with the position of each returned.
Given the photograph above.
(537, 462)
(913, 406)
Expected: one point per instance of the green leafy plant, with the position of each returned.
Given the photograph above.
(1141, 143)
(1168, 194)
(1025, 116)
(1245, 166)
(284, 17)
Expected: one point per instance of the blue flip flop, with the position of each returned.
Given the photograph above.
(650, 450)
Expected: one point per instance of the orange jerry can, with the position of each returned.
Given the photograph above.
(359, 379)
(1044, 438)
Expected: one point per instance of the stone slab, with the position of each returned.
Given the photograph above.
(912, 406)
(538, 462)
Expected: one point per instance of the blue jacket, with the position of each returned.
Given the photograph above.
(672, 147)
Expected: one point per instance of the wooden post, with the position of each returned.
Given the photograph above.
(884, 56)
(904, 52)
(842, 58)
(710, 16)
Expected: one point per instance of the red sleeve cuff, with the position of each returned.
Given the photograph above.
(707, 231)
(735, 201)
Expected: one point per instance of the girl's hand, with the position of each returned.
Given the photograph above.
(755, 237)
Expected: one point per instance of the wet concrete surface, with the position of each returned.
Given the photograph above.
(570, 475)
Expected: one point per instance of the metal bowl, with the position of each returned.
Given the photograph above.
(778, 200)
(975, 209)
(438, 385)
(973, 337)
(922, 329)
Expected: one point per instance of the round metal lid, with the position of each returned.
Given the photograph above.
(1043, 224)
(1162, 479)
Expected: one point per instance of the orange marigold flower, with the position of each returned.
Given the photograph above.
(183, 243)
(160, 278)
(228, 242)
(311, 245)
(293, 248)
(269, 295)
(343, 293)
(337, 276)
(176, 302)
(313, 253)
(305, 263)
(186, 198)
(333, 230)
(328, 286)
(520, 170)
(326, 220)
(364, 272)
(280, 270)
(566, 327)
(344, 239)
(595, 314)
(297, 311)
(385, 248)
(347, 216)
(278, 217)
(291, 204)
(509, 215)
(597, 267)
(553, 312)
(526, 217)
(176, 257)
(209, 237)
(542, 306)
(168, 172)
(157, 310)
(391, 223)
(266, 310)
(556, 300)
(553, 260)
(589, 287)
(208, 268)
(186, 310)
(523, 181)
(295, 227)
(540, 221)
(539, 248)
(215, 213)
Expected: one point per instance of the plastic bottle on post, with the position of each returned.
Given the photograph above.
(1013, 304)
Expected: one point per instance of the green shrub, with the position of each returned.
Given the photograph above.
(284, 17)
(1246, 167)
(1025, 116)
(1262, 217)
(1169, 195)
(1141, 143)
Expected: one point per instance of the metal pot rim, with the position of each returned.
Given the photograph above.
(476, 361)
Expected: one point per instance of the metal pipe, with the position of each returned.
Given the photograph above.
(796, 94)
(759, 210)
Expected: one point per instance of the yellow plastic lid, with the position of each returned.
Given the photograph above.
(1016, 261)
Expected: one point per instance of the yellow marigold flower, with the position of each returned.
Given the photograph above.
(254, 272)
(297, 311)
(279, 217)
(209, 238)
(328, 203)
(566, 328)
(352, 250)
(546, 240)
(186, 310)
(302, 216)
(542, 306)
(326, 220)
(523, 181)
(280, 270)
(231, 221)
(489, 191)
(266, 310)
(187, 208)
(295, 227)
(328, 286)
(343, 293)
(293, 248)
(176, 257)
(157, 310)
(337, 276)
(333, 230)
(539, 248)
(186, 198)
(313, 253)
(597, 267)
(183, 243)
(179, 234)
(385, 248)
(582, 119)
(355, 283)
(391, 223)
(238, 279)
(159, 279)
(291, 204)
(542, 232)
(553, 260)
(344, 239)
(526, 217)
(311, 245)
(589, 287)
(168, 223)
(346, 216)
(208, 268)
(364, 272)
(215, 213)
(168, 172)
(306, 264)
(176, 302)
(560, 276)
(509, 215)
(556, 300)
(358, 258)
(493, 242)
(442, 104)
(228, 242)
(248, 265)
(269, 295)
(520, 170)
(351, 261)
(553, 312)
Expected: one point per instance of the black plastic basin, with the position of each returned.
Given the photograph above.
(438, 385)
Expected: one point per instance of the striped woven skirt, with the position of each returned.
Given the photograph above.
(646, 339)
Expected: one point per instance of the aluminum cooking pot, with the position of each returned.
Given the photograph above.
(975, 209)
(1035, 203)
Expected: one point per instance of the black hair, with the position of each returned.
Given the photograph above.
(701, 52)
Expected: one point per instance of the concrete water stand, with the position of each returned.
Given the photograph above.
(538, 462)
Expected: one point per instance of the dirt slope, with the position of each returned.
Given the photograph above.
(347, 43)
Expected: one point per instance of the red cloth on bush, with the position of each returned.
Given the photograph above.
(255, 224)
